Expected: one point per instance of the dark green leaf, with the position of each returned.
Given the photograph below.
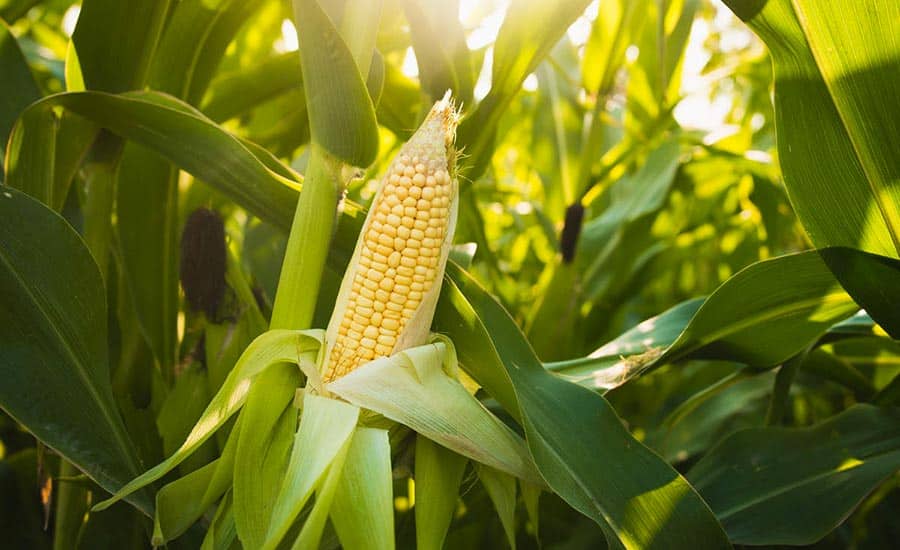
(116, 41)
(786, 302)
(737, 401)
(55, 360)
(238, 92)
(30, 154)
(638, 499)
(341, 114)
(19, 87)
(147, 221)
(794, 485)
(832, 90)
(872, 280)
(191, 141)
(441, 52)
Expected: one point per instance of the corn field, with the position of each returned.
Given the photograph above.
(378, 274)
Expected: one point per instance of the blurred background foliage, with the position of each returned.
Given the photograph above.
(648, 130)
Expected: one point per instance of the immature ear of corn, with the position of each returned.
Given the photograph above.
(389, 292)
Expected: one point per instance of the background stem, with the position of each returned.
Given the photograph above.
(307, 248)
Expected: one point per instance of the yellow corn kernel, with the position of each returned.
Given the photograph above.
(405, 241)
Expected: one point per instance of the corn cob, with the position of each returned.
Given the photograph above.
(389, 292)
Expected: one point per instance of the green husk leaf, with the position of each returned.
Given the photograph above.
(222, 533)
(531, 495)
(362, 509)
(181, 503)
(263, 452)
(325, 430)
(275, 346)
(438, 474)
(311, 533)
(502, 490)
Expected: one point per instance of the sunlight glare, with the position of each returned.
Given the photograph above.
(410, 65)
(485, 31)
(530, 83)
(483, 84)
(580, 30)
(70, 19)
(631, 53)
(288, 41)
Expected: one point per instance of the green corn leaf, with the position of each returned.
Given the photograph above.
(195, 38)
(400, 104)
(30, 153)
(444, 64)
(130, 29)
(830, 367)
(45, 148)
(794, 485)
(44, 152)
(237, 92)
(359, 29)
(736, 401)
(638, 499)
(610, 34)
(196, 35)
(438, 473)
(180, 503)
(19, 88)
(341, 113)
(788, 302)
(362, 509)
(184, 136)
(275, 346)
(531, 496)
(182, 407)
(655, 79)
(872, 280)
(53, 331)
(147, 227)
(520, 47)
(654, 333)
(314, 525)
(833, 67)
